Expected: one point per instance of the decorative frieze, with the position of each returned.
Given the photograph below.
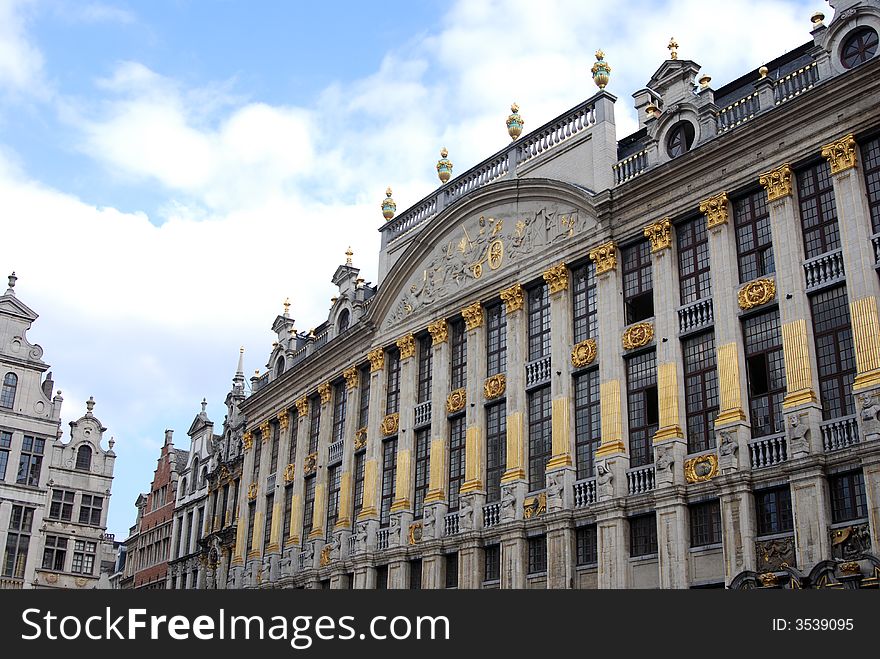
(324, 393)
(660, 235)
(360, 439)
(556, 278)
(605, 257)
(850, 542)
(841, 155)
(407, 346)
(351, 377)
(702, 468)
(495, 386)
(774, 554)
(637, 336)
(390, 424)
(311, 464)
(439, 331)
(513, 298)
(456, 400)
(377, 359)
(473, 316)
(777, 182)
(715, 209)
(584, 353)
(302, 406)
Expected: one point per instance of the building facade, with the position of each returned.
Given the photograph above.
(53, 506)
(594, 362)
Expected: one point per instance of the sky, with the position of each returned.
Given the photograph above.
(172, 170)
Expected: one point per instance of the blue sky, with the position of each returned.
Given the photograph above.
(170, 171)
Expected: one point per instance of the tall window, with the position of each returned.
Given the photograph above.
(194, 475)
(848, 501)
(496, 445)
(835, 356)
(5, 445)
(288, 512)
(17, 540)
(344, 320)
(359, 466)
(189, 529)
(423, 457)
(766, 372)
(54, 553)
(694, 278)
(308, 507)
(364, 406)
(84, 458)
(392, 388)
(458, 357)
(587, 421)
(224, 505)
(642, 406)
(84, 557)
(539, 322)
(415, 574)
(267, 526)
(334, 481)
(871, 166)
(540, 440)
(381, 577)
(258, 454)
(773, 510)
(425, 368)
(705, 523)
(701, 391)
(587, 544)
(62, 505)
(754, 241)
(537, 558)
(7, 393)
(583, 298)
(456, 459)
(273, 453)
(339, 400)
(818, 211)
(31, 461)
(496, 340)
(638, 282)
(643, 535)
(492, 563)
(389, 473)
(451, 561)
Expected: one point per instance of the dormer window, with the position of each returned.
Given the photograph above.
(7, 395)
(344, 320)
(84, 458)
(680, 139)
(859, 47)
(279, 367)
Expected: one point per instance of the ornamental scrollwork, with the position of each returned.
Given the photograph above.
(637, 336)
(777, 182)
(360, 439)
(390, 424)
(415, 533)
(715, 209)
(756, 293)
(302, 406)
(407, 346)
(351, 377)
(701, 469)
(324, 393)
(605, 257)
(556, 278)
(584, 353)
(439, 331)
(850, 542)
(325, 555)
(494, 386)
(377, 359)
(289, 472)
(660, 235)
(841, 155)
(247, 440)
(473, 316)
(513, 298)
(456, 400)
(311, 464)
(253, 488)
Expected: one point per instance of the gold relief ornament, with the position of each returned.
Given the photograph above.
(715, 210)
(289, 473)
(247, 440)
(495, 386)
(777, 182)
(351, 377)
(637, 336)
(360, 439)
(556, 278)
(265, 431)
(513, 298)
(324, 393)
(390, 424)
(283, 419)
(605, 257)
(407, 346)
(415, 533)
(473, 316)
(534, 506)
(439, 331)
(660, 234)
(702, 468)
(769, 580)
(456, 400)
(311, 464)
(302, 406)
(377, 359)
(841, 155)
(850, 567)
(756, 293)
(584, 353)
(325, 555)
(253, 488)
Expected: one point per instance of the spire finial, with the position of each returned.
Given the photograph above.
(204, 405)
(514, 122)
(286, 308)
(601, 70)
(444, 166)
(673, 48)
(389, 207)
(348, 255)
(90, 405)
(239, 372)
(12, 280)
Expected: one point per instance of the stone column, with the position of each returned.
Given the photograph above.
(514, 483)
(474, 487)
(401, 506)
(810, 512)
(297, 477)
(368, 518)
(672, 537)
(432, 568)
(247, 469)
(514, 558)
(871, 474)
(737, 523)
(343, 528)
(613, 543)
(436, 501)
(325, 432)
(560, 554)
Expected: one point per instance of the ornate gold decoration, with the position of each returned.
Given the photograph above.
(777, 182)
(311, 464)
(389, 207)
(351, 377)
(660, 234)
(841, 155)
(390, 424)
(756, 293)
(702, 468)
(283, 419)
(302, 406)
(325, 555)
(253, 488)
(265, 430)
(673, 48)
(605, 257)
(556, 278)
(850, 567)
(360, 439)
(638, 335)
(769, 580)
(377, 359)
(456, 400)
(816, 19)
(324, 393)
(601, 70)
(583, 353)
(473, 316)
(494, 386)
(407, 346)
(513, 298)
(704, 81)
(415, 533)
(289, 473)
(247, 440)
(439, 331)
(495, 255)
(534, 506)
(514, 122)
(444, 166)
(715, 210)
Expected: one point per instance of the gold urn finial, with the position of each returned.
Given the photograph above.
(286, 306)
(673, 48)
(388, 205)
(601, 70)
(514, 122)
(816, 19)
(444, 166)
(704, 81)
(348, 255)
(763, 71)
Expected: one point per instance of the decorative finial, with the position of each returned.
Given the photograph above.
(704, 81)
(333, 299)
(673, 48)
(348, 255)
(444, 166)
(12, 280)
(817, 19)
(256, 372)
(204, 405)
(763, 71)
(601, 70)
(653, 111)
(90, 405)
(514, 122)
(111, 443)
(311, 336)
(388, 206)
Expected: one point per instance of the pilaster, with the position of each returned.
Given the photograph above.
(810, 508)
(475, 438)
(513, 481)
(672, 538)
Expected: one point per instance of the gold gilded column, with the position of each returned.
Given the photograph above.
(730, 406)
(437, 474)
(866, 336)
(670, 424)
(612, 423)
(798, 373)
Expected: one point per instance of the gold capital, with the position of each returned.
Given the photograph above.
(513, 298)
(377, 359)
(473, 316)
(407, 346)
(283, 419)
(605, 257)
(324, 393)
(660, 235)
(715, 209)
(557, 278)
(777, 182)
(302, 406)
(351, 377)
(439, 331)
(841, 155)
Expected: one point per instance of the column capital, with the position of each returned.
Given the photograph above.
(283, 419)
(377, 359)
(841, 154)
(351, 377)
(513, 298)
(605, 257)
(556, 278)
(716, 210)
(473, 316)
(777, 182)
(302, 406)
(324, 393)
(407, 346)
(660, 235)
(439, 331)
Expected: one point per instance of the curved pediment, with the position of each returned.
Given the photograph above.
(483, 239)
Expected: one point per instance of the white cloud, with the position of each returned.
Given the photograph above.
(21, 63)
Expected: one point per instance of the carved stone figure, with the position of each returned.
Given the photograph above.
(428, 521)
(798, 435)
(664, 460)
(869, 415)
(555, 485)
(466, 514)
(728, 448)
(274, 568)
(360, 536)
(851, 542)
(394, 531)
(604, 481)
(775, 554)
(287, 563)
(508, 503)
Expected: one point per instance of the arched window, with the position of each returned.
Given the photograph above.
(279, 367)
(344, 320)
(859, 47)
(680, 139)
(7, 395)
(183, 486)
(195, 476)
(204, 479)
(84, 458)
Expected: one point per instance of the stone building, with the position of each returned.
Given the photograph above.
(593, 361)
(53, 506)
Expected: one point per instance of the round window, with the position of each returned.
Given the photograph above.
(680, 138)
(859, 47)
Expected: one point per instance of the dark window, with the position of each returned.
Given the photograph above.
(224, 505)
(339, 401)
(279, 367)
(195, 475)
(18, 538)
(334, 481)
(425, 368)
(452, 570)
(848, 501)
(818, 210)
(423, 458)
(90, 508)
(258, 455)
(773, 509)
(392, 388)
(694, 278)
(701, 391)
(583, 299)
(871, 165)
(273, 453)
(705, 524)
(267, 526)
(587, 544)
(359, 464)
(492, 563)
(364, 408)
(344, 320)
(539, 322)
(84, 458)
(84, 557)
(456, 459)
(496, 449)
(765, 368)
(381, 577)
(643, 535)
(859, 47)
(540, 440)
(7, 393)
(415, 574)
(835, 356)
(288, 512)
(496, 340)
(642, 407)
(252, 514)
(62, 505)
(54, 552)
(537, 554)
(754, 240)
(389, 472)
(638, 282)
(587, 421)
(680, 139)
(458, 358)
(308, 507)
(31, 461)
(5, 445)
(314, 423)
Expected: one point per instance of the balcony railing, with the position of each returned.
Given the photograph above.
(738, 112)
(630, 167)
(488, 171)
(795, 83)
(824, 270)
(335, 451)
(695, 316)
(352, 545)
(491, 514)
(382, 539)
(538, 372)
(839, 433)
(640, 480)
(584, 492)
(768, 451)
(7, 583)
(557, 131)
(423, 414)
(303, 560)
(270, 482)
(450, 524)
